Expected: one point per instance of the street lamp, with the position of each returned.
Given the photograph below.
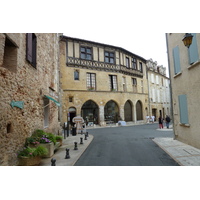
(187, 40)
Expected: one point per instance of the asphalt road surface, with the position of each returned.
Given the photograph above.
(126, 146)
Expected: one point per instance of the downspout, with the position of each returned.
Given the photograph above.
(170, 85)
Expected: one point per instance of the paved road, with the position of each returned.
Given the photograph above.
(126, 146)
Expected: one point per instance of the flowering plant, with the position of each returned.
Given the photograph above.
(44, 139)
(32, 152)
(26, 152)
(32, 140)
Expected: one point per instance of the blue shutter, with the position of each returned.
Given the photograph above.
(193, 50)
(176, 56)
(183, 109)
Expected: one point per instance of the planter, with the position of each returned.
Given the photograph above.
(50, 148)
(29, 161)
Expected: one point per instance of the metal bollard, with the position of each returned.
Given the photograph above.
(87, 134)
(85, 137)
(53, 162)
(75, 146)
(67, 154)
(81, 142)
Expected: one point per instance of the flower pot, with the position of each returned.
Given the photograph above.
(29, 161)
(50, 148)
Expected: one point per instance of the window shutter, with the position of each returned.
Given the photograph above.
(29, 47)
(177, 67)
(183, 109)
(193, 50)
(34, 49)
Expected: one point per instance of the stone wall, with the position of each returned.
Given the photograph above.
(25, 83)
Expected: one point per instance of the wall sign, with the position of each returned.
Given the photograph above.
(18, 104)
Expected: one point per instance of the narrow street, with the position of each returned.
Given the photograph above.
(126, 146)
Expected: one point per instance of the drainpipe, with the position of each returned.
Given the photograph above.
(170, 86)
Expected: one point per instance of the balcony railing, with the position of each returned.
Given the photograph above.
(102, 66)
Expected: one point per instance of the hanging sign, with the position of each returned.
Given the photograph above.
(18, 104)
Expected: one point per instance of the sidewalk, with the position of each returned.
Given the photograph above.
(182, 153)
(74, 154)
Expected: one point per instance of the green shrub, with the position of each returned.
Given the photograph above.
(58, 137)
(32, 152)
(40, 151)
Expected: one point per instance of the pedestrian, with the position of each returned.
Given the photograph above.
(160, 121)
(153, 118)
(167, 119)
(147, 118)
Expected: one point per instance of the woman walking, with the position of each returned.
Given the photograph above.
(160, 121)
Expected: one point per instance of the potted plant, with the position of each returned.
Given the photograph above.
(31, 156)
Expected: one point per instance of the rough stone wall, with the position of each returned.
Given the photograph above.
(27, 84)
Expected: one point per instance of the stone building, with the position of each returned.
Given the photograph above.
(29, 89)
(102, 83)
(159, 90)
(184, 64)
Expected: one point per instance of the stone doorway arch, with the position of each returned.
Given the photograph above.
(139, 112)
(111, 112)
(90, 112)
(128, 115)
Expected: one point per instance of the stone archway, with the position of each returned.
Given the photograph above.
(111, 111)
(139, 112)
(90, 112)
(128, 111)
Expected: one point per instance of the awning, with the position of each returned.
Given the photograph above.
(57, 103)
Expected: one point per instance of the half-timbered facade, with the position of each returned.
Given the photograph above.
(102, 83)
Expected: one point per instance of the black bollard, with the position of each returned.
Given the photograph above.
(87, 134)
(75, 146)
(53, 162)
(81, 140)
(85, 137)
(67, 154)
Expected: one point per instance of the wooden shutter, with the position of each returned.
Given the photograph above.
(29, 47)
(183, 109)
(34, 49)
(176, 56)
(193, 50)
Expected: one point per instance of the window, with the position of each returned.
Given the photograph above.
(124, 83)
(183, 109)
(113, 82)
(152, 78)
(109, 57)
(134, 63)
(10, 55)
(193, 50)
(86, 53)
(134, 82)
(127, 63)
(142, 86)
(31, 47)
(176, 56)
(141, 67)
(91, 81)
(157, 79)
(46, 112)
(76, 75)
(70, 99)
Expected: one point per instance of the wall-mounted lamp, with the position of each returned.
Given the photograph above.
(187, 40)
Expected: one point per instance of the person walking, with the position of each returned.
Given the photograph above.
(153, 118)
(167, 119)
(160, 121)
